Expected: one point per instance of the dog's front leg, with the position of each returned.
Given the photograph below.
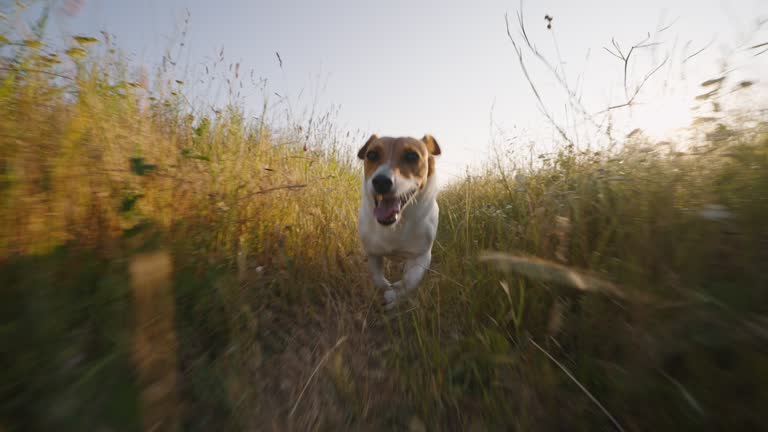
(414, 272)
(376, 268)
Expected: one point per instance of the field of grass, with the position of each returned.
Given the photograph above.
(168, 267)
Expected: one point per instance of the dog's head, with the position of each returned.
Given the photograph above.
(396, 169)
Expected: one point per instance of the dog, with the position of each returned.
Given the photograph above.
(398, 211)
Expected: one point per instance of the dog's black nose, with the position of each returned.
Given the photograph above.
(382, 184)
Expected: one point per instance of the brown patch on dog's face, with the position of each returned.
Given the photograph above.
(407, 157)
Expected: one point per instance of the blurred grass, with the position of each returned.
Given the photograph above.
(100, 166)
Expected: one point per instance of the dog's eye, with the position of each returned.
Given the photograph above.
(411, 156)
(372, 156)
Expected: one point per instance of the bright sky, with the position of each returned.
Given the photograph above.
(404, 67)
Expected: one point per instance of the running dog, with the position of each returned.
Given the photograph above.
(398, 213)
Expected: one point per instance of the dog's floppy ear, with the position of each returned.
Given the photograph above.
(364, 148)
(432, 146)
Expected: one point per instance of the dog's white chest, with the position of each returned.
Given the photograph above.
(412, 237)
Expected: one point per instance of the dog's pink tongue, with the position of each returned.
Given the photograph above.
(386, 208)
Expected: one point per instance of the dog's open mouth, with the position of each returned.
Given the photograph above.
(388, 208)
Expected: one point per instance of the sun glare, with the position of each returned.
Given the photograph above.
(662, 116)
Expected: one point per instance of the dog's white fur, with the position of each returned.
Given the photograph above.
(411, 237)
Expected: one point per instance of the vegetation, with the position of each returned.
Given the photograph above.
(164, 266)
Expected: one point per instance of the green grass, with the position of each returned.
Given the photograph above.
(268, 321)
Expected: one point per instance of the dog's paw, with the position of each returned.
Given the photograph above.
(390, 298)
(393, 295)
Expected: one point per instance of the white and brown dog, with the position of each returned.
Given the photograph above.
(398, 214)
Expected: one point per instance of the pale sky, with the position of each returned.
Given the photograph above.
(404, 67)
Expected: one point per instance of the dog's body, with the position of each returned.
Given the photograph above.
(399, 213)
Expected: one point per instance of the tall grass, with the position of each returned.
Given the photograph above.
(674, 247)
(172, 267)
(99, 164)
